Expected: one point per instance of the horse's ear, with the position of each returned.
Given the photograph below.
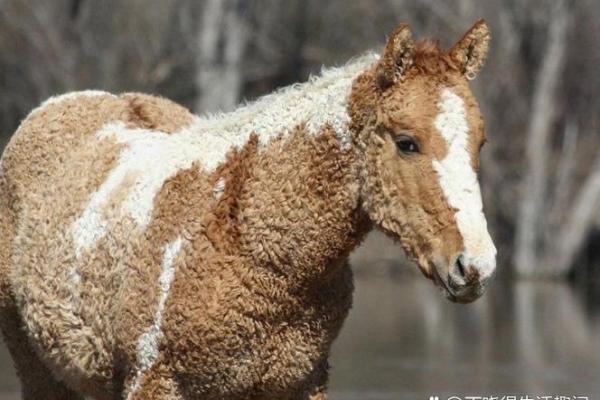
(470, 52)
(396, 58)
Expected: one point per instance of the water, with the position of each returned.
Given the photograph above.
(403, 340)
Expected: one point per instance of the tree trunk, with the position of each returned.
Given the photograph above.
(571, 237)
(542, 116)
(222, 40)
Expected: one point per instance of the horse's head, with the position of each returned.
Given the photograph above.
(420, 132)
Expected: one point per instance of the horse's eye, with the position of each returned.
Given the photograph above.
(406, 144)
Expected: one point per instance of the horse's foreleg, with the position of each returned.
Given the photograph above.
(37, 382)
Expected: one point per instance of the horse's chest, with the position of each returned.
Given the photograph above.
(255, 346)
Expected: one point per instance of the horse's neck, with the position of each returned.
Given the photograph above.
(320, 101)
(300, 206)
(299, 202)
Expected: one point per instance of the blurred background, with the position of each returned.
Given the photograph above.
(537, 331)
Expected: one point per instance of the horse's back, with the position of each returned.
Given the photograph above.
(51, 135)
(50, 170)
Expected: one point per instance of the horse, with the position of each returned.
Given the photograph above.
(148, 253)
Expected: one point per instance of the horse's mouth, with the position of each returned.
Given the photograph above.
(437, 270)
(465, 295)
(442, 285)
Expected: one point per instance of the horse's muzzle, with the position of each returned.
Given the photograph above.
(464, 280)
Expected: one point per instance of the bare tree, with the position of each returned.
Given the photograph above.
(221, 44)
(550, 230)
(577, 225)
(543, 114)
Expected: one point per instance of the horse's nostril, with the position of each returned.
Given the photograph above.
(460, 274)
(463, 280)
(460, 268)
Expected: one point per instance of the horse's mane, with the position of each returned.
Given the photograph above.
(428, 57)
(286, 108)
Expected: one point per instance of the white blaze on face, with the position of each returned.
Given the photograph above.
(460, 185)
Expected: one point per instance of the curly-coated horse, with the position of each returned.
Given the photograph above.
(147, 253)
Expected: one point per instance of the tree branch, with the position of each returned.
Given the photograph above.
(542, 115)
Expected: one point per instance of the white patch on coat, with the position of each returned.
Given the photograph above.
(149, 158)
(147, 346)
(152, 157)
(323, 100)
(74, 277)
(460, 185)
(219, 188)
(73, 95)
